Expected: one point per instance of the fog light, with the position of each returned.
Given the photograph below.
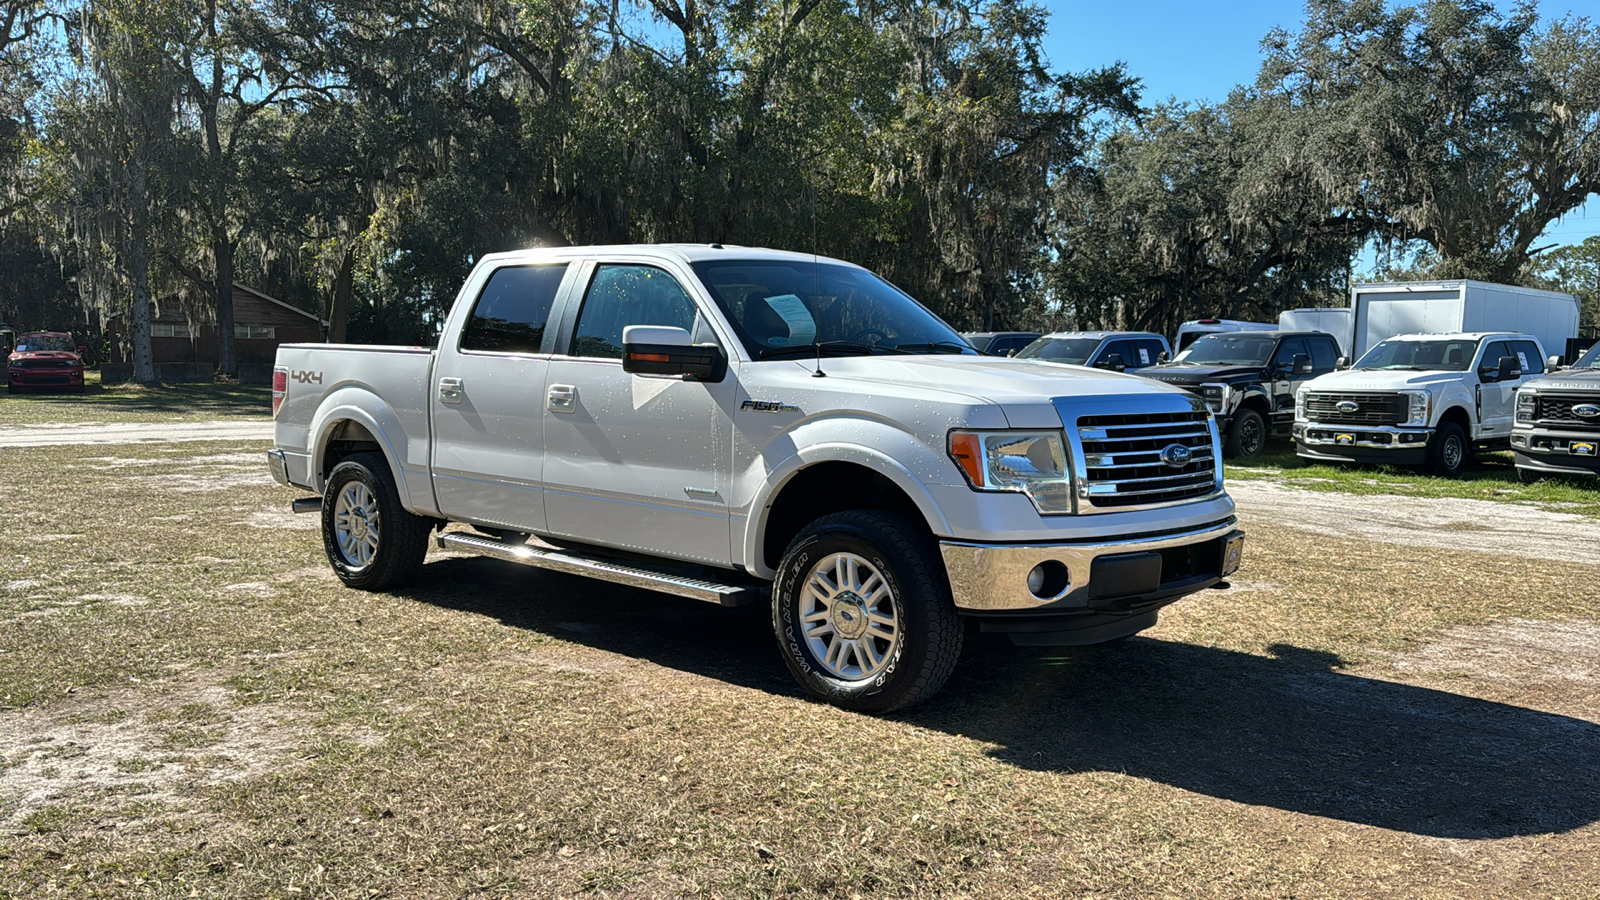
(1048, 580)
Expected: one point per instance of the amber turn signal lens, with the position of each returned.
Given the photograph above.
(967, 450)
(650, 357)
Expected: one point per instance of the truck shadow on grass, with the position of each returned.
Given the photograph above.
(1287, 731)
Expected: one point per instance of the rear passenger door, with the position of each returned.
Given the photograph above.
(487, 417)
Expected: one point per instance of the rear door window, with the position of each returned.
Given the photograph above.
(511, 313)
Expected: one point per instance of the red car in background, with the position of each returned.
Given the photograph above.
(45, 359)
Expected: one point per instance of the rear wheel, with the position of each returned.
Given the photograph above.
(1449, 451)
(863, 612)
(1247, 435)
(371, 540)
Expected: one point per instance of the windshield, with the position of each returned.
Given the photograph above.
(791, 309)
(1072, 351)
(1228, 349)
(1428, 356)
(33, 343)
(1590, 359)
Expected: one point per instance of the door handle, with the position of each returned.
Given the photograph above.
(450, 390)
(563, 398)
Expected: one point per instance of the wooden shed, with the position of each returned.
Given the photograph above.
(187, 351)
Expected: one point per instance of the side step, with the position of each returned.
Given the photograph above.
(605, 570)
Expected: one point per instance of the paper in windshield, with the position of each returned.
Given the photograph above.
(802, 328)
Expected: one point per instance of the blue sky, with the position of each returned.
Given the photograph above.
(1195, 50)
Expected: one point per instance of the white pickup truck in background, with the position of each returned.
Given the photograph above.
(1418, 399)
(741, 425)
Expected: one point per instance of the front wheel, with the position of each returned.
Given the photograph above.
(1449, 451)
(1247, 435)
(371, 540)
(863, 613)
(1527, 476)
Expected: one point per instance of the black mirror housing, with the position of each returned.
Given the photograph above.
(1509, 368)
(1112, 361)
(1301, 364)
(653, 350)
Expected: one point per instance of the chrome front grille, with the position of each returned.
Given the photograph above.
(1144, 459)
(1556, 409)
(1370, 409)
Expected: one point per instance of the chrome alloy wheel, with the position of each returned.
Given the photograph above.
(355, 524)
(847, 614)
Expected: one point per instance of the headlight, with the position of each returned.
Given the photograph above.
(1300, 404)
(1028, 462)
(1216, 396)
(1421, 404)
(1525, 405)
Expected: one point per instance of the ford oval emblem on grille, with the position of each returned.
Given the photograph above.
(1347, 406)
(1176, 455)
(1587, 410)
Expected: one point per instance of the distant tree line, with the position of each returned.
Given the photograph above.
(355, 157)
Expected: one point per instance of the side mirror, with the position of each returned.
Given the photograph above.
(1163, 356)
(1342, 362)
(665, 350)
(1554, 363)
(1112, 361)
(1509, 368)
(1302, 364)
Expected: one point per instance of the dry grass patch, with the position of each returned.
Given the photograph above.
(1346, 722)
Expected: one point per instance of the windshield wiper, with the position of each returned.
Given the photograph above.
(932, 346)
(817, 348)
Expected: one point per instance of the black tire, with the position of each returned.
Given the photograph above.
(1247, 435)
(927, 631)
(399, 539)
(1527, 476)
(1449, 452)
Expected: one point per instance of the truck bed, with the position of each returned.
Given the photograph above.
(385, 388)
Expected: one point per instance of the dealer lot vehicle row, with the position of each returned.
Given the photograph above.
(735, 425)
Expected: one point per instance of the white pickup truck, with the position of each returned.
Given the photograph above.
(734, 425)
(1418, 399)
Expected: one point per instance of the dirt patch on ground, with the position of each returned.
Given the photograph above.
(1482, 526)
(130, 751)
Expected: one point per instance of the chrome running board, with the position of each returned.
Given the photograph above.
(605, 570)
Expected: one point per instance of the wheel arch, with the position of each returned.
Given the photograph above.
(828, 479)
(343, 428)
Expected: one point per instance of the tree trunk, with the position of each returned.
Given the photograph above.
(222, 291)
(339, 307)
(144, 370)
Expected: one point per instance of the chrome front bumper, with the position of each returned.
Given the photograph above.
(1367, 436)
(994, 577)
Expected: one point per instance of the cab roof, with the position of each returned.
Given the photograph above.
(687, 253)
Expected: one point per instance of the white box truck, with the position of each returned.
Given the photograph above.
(1382, 311)
(1335, 320)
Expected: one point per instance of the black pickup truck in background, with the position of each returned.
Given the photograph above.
(1248, 378)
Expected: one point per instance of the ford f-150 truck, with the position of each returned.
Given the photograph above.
(740, 425)
(1418, 399)
(1557, 428)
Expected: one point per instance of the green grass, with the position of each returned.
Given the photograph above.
(1491, 476)
(137, 403)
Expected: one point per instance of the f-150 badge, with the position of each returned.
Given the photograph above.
(768, 406)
